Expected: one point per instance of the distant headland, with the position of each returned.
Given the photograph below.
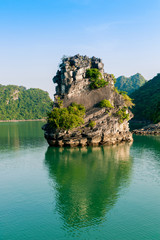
(20, 104)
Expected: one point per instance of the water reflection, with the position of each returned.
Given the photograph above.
(147, 142)
(88, 181)
(146, 149)
(20, 134)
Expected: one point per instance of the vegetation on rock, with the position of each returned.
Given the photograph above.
(114, 78)
(59, 102)
(66, 118)
(123, 114)
(127, 100)
(116, 90)
(147, 101)
(105, 103)
(18, 103)
(95, 78)
(92, 124)
(130, 84)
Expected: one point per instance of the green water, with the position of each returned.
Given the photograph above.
(47, 193)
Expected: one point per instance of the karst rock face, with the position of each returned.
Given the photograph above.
(72, 85)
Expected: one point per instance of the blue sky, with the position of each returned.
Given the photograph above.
(35, 34)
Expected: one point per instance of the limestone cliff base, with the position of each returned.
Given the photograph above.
(113, 134)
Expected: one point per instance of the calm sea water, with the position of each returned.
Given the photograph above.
(48, 193)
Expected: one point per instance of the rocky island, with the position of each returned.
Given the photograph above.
(88, 109)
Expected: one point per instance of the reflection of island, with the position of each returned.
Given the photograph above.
(20, 134)
(88, 181)
(147, 142)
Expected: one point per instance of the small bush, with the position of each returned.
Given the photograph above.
(92, 124)
(77, 109)
(96, 79)
(105, 103)
(122, 92)
(122, 114)
(127, 100)
(66, 118)
(93, 73)
(116, 90)
(114, 78)
(59, 102)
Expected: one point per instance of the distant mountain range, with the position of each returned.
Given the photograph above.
(145, 95)
(147, 101)
(19, 103)
(130, 84)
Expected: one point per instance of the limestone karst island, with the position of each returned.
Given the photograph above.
(88, 109)
(79, 120)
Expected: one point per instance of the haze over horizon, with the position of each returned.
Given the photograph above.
(36, 34)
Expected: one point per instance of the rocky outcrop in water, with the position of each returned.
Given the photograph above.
(110, 124)
(152, 129)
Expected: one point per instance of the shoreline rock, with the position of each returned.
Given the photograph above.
(151, 129)
(88, 137)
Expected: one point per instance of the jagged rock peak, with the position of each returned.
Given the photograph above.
(80, 61)
(73, 70)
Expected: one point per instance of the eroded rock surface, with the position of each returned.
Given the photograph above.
(74, 86)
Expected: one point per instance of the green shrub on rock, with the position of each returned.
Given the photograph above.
(66, 118)
(127, 100)
(116, 90)
(95, 78)
(114, 78)
(77, 109)
(59, 102)
(122, 114)
(92, 124)
(105, 103)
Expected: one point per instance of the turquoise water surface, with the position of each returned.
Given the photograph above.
(49, 193)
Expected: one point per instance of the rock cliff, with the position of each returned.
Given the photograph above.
(106, 124)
